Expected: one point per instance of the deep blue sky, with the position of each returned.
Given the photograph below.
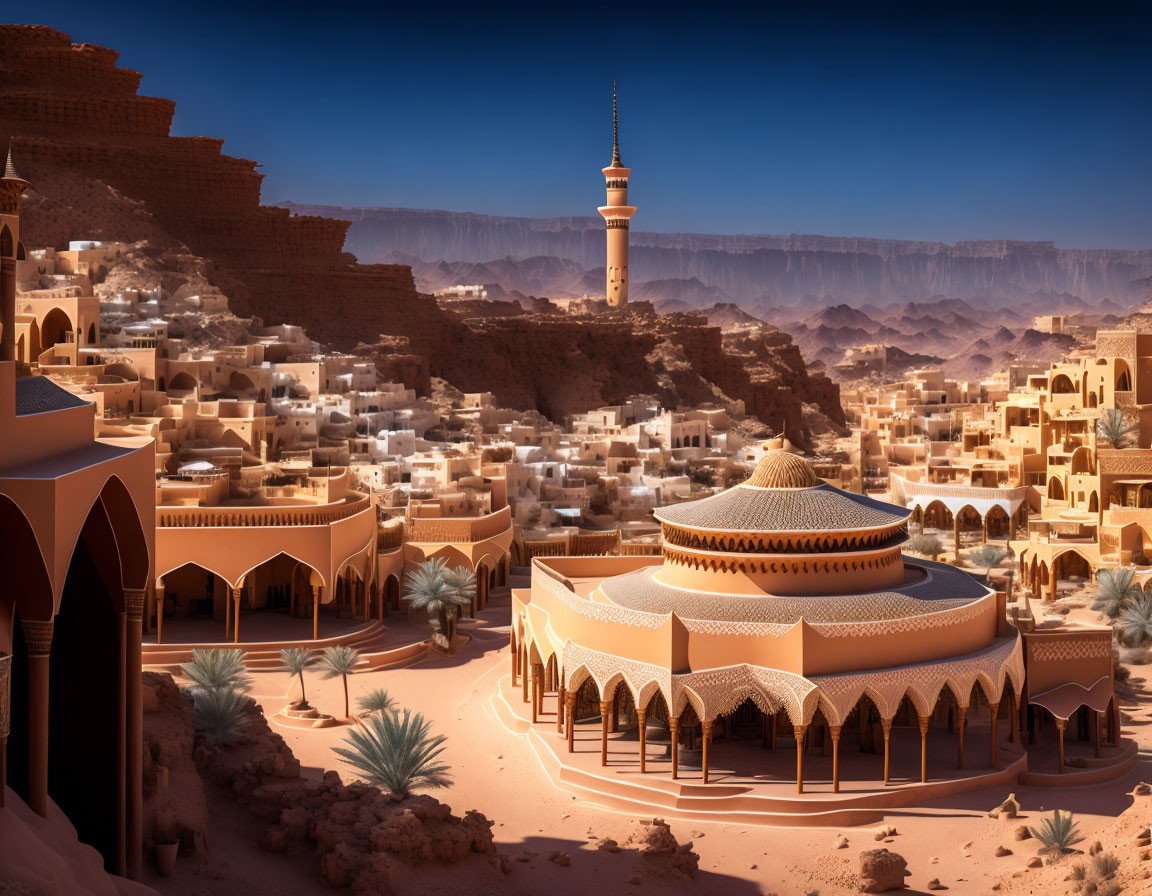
(932, 121)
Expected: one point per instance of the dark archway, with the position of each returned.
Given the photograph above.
(183, 382)
(56, 328)
(85, 745)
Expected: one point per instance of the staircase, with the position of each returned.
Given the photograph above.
(264, 656)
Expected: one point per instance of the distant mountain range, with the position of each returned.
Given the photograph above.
(563, 257)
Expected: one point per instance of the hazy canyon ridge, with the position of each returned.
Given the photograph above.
(969, 307)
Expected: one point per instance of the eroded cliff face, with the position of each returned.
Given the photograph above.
(753, 268)
(103, 166)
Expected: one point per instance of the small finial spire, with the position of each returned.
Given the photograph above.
(616, 163)
(9, 167)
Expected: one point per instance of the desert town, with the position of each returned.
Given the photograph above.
(759, 609)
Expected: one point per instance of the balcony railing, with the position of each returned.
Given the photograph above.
(449, 530)
(316, 515)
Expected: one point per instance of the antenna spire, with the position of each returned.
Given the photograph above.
(616, 163)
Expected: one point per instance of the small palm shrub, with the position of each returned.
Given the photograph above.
(216, 668)
(396, 753)
(1059, 833)
(431, 587)
(220, 714)
(1114, 430)
(296, 660)
(339, 660)
(1115, 590)
(926, 545)
(1134, 624)
(376, 700)
(461, 581)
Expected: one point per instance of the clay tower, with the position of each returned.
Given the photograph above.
(616, 214)
(11, 251)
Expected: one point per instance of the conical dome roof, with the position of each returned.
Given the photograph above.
(780, 469)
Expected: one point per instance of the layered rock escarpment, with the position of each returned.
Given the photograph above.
(103, 166)
(752, 268)
(87, 141)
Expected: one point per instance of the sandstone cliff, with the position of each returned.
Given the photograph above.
(104, 166)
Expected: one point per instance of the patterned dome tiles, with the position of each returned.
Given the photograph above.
(945, 588)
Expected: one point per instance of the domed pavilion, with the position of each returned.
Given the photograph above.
(783, 606)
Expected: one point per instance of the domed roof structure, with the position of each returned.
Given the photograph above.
(780, 469)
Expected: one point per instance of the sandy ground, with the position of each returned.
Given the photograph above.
(497, 773)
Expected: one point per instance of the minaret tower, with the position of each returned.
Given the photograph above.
(11, 186)
(616, 214)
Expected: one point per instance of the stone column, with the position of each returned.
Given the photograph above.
(560, 705)
(994, 709)
(800, 731)
(705, 737)
(227, 615)
(316, 612)
(1060, 723)
(236, 594)
(605, 709)
(121, 859)
(674, 734)
(961, 712)
(515, 651)
(834, 731)
(956, 534)
(924, 720)
(538, 675)
(642, 721)
(5, 720)
(133, 661)
(1095, 733)
(524, 677)
(984, 529)
(570, 718)
(886, 727)
(38, 638)
(160, 596)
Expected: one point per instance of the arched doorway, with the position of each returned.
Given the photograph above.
(57, 328)
(84, 743)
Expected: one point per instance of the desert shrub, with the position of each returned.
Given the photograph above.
(397, 753)
(220, 714)
(1059, 833)
(1105, 864)
(217, 667)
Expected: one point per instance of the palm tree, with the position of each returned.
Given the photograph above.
(462, 581)
(1114, 430)
(216, 668)
(1134, 625)
(428, 590)
(375, 701)
(220, 714)
(396, 753)
(340, 660)
(1058, 834)
(1115, 590)
(926, 545)
(296, 660)
(987, 555)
